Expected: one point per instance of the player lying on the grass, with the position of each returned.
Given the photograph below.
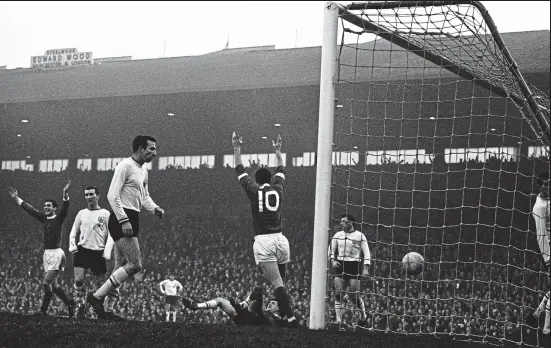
(247, 312)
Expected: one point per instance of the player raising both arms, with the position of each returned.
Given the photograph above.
(540, 212)
(271, 247)
(91, 246)
(171, 289)
(248, 312)
(54, 256)
(127, 194)
(348, 247)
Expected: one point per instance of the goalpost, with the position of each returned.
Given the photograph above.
(430, 136)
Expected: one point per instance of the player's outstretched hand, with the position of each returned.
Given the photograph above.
(236, 139)
(159, 212)
(66, 187)
(12, 192)
(277, 144)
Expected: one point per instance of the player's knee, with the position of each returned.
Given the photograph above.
(79, 285)
(47, 287)
(133, 268)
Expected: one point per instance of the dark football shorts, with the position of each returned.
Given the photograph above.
(349, 270)
(115, 229)
(171, 300)
(90, 259)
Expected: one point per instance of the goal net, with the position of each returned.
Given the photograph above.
(430, 136)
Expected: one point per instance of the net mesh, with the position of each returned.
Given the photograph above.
(440, 163)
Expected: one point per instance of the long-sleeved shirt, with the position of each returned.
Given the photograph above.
(266, 202)
(90, 231)
(128, 189)
(350, 247)
(52, 224)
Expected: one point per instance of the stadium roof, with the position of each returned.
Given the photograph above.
(234, 69)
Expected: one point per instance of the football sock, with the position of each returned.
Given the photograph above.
(208, 304)
(338, 313)
(111, 299)
(283, 302)
(80, 292)
(114, 281)
(58, 290)
(47, 298)
(361, 306)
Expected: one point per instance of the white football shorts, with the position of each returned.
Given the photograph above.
(54, 260)
(271, 247)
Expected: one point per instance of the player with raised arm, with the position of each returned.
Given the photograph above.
(248, 312)
(53, 257)
(271, 247)
(128, 193)
(348, 247)
(540, 212)
(171, 289)
(91, 246)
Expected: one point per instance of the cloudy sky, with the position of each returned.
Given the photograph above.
(153, 29)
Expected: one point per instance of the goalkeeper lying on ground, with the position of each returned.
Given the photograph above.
(248, 312)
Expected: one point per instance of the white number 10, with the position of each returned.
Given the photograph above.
(265, 201)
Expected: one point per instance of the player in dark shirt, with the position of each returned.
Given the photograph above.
(54, 257)
(248, 312)
(271, 247)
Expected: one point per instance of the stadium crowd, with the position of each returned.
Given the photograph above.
(487, 293)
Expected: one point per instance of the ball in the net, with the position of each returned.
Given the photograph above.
(413, 263)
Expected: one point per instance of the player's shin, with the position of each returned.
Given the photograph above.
(48, 294)
(58, 291)
(542, 304)
(114, 281)
(547, 322)
(284, 303)
(80, 293)
(111, 300)
(361, 306)
(338, 308)
(209, 304)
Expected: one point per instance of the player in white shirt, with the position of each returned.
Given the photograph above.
(171, 289)
(540, 212)
(128, 193)
(91, 246)
(350, 257)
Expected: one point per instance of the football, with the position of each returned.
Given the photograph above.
(413, 263)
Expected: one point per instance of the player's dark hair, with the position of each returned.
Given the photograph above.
(263, 176)
(543, 176)
(54, 203)
(141, 141)
(350, 217)
(96, 190)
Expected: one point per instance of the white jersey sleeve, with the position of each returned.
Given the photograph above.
(73, 236)
(109, 245)
(365, 250)
(114, 193)
(147, 200)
